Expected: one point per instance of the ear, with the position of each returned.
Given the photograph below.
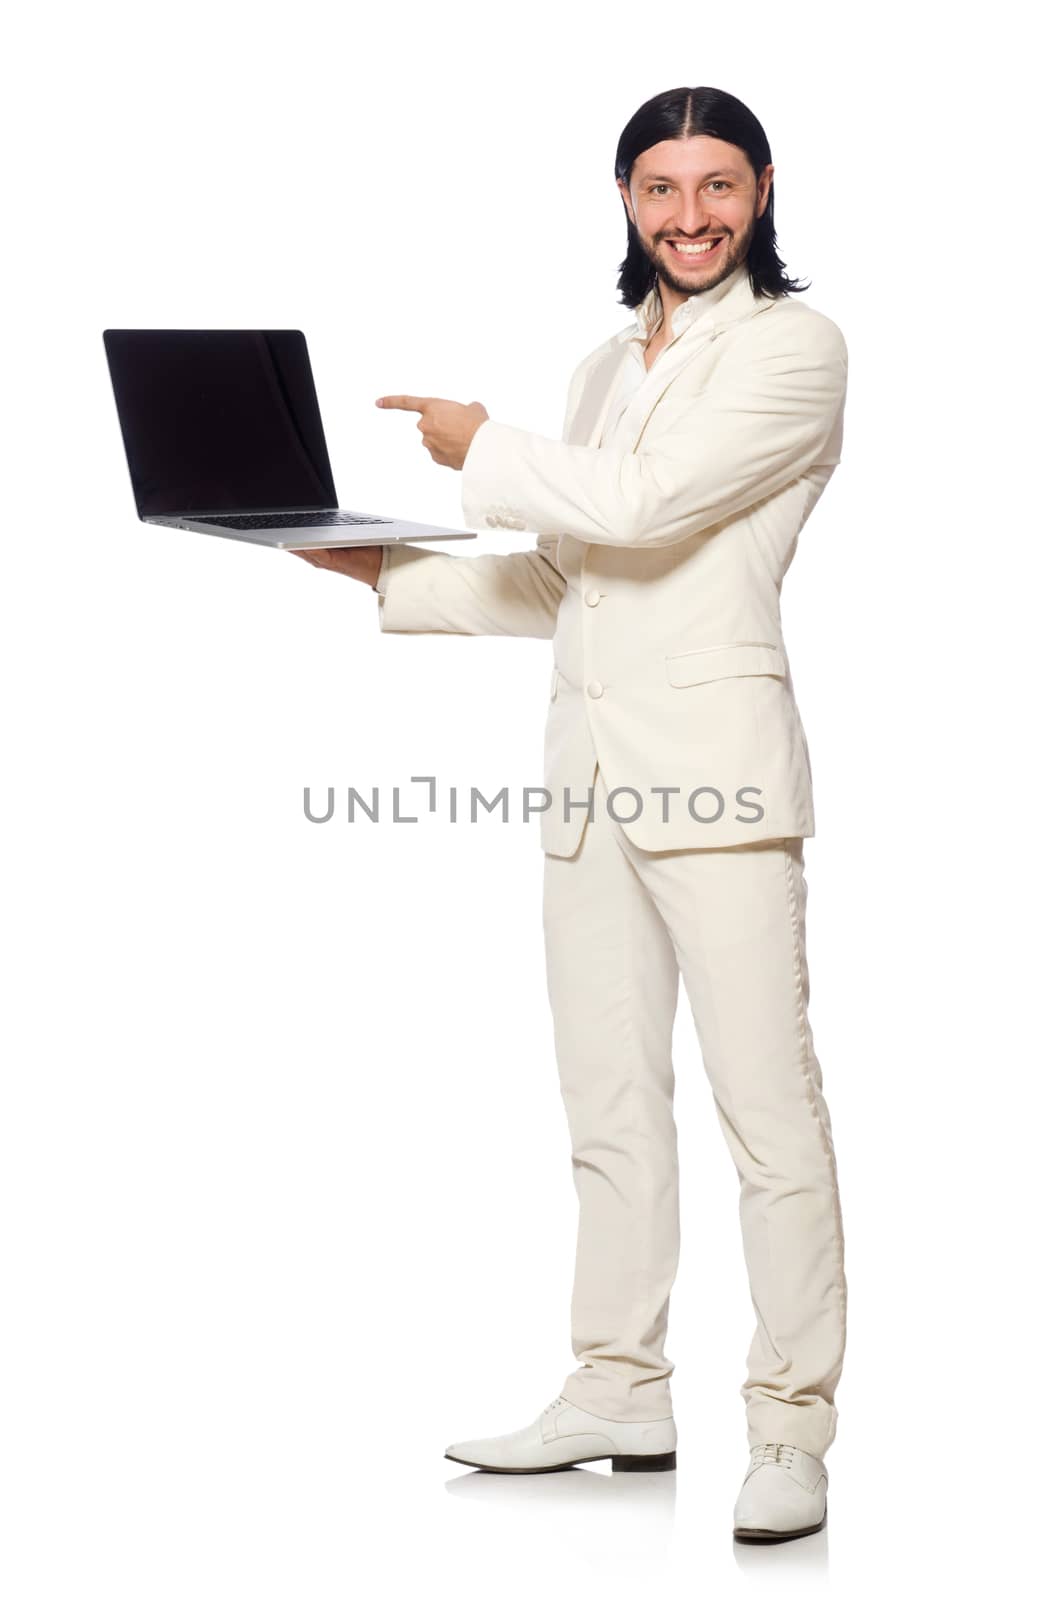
(626, 200)
(765, 183)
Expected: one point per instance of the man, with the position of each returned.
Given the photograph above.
(695, 444)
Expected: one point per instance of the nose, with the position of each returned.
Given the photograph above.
(693, 217)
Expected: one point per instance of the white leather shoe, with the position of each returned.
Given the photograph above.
(783, 1495)
(564, 1436)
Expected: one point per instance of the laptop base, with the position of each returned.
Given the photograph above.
(386, 532)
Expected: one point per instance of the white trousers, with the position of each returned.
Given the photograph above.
(621, 924)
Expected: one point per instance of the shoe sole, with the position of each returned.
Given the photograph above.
(772, 1536)
(662, 1463)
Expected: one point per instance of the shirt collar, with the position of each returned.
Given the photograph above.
(710, 308)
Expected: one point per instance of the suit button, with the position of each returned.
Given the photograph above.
(592, 598)
(594, 690)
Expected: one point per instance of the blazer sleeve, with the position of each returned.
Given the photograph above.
(764, 418)
(431, 591)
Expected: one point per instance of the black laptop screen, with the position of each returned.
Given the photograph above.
(219, 420)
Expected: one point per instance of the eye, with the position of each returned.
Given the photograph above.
(714, 182)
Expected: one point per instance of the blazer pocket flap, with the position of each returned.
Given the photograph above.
(742, 660)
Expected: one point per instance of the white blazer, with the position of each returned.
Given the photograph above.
(657, 573)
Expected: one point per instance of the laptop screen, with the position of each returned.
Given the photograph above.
(219, 421)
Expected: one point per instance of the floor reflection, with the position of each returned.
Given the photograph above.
(652, 1492)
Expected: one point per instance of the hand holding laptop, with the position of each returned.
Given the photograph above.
(360, 561)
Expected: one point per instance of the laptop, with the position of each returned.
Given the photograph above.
(223, 435)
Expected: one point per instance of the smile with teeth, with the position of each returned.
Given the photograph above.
(703, 248)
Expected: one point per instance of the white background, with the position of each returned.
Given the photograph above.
(286, 1194)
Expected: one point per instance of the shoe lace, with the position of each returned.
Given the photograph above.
(781, 1454)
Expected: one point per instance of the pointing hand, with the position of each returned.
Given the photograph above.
(447, 427)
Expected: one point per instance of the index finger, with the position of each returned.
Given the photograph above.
(403, 402)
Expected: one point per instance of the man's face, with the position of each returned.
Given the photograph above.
(688, 191)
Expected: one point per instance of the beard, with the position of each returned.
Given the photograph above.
(732, 252)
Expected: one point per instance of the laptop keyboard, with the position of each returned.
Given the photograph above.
(291, 519)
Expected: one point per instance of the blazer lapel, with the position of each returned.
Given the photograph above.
(662, 373)
(594, 407)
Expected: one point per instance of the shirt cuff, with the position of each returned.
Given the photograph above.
(380, 583)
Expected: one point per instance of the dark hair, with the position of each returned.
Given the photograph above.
(685, 114)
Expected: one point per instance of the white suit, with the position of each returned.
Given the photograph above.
(666, 519)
